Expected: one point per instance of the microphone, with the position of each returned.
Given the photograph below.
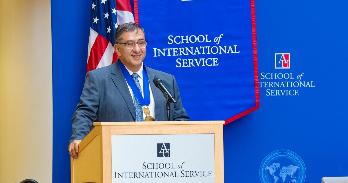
(166, 93)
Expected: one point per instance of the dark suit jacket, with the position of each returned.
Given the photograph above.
(105, 97)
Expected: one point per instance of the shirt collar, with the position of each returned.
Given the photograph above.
(140, 71)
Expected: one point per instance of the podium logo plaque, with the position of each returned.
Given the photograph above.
(163, 158)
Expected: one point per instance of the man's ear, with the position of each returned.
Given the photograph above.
(117, 50)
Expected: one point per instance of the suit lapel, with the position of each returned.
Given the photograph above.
(120, 83)
(156, 96)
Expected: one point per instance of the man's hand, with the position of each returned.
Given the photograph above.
(74, 148)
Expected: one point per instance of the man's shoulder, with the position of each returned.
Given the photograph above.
(160, 74)
(102, 71)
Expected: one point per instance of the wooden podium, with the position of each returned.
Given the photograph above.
(94, 163)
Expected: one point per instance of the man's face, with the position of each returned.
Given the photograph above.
(131, 49)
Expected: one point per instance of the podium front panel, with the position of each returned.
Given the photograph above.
(166, 152)
(162, 158)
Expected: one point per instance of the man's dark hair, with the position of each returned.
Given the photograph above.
(127, 27)
(29, 181)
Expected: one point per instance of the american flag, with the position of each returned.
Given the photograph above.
(106, 15)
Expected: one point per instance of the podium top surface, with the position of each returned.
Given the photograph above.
(159, 123)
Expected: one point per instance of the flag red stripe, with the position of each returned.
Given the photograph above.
(114, 57)
(123, 5)
(96, 52)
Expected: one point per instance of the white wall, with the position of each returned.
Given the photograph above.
(25, 91)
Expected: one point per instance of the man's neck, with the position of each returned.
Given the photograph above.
(132, 70)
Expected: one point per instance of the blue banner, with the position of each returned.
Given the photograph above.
(209, 48)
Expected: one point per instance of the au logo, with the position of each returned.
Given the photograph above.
(163, 149)
(282, 61)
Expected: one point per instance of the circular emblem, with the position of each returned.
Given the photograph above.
(282, 166)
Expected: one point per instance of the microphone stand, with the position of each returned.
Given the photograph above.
(168, 105)
(168, 108)
(158, 83)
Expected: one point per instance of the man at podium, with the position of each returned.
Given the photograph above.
(127, 90)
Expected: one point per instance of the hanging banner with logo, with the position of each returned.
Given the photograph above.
(211, 50)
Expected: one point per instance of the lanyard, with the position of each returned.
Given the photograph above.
(143, 101)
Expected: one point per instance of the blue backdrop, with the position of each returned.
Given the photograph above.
(312, 124)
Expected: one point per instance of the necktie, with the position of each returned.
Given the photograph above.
(138, 108)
